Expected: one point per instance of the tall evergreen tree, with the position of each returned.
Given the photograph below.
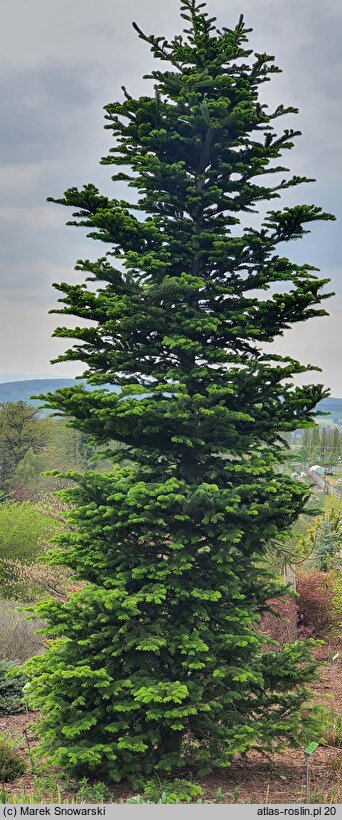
(158, 660)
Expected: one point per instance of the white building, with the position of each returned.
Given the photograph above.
(317, 469)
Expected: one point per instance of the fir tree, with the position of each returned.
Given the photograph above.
(328, 542)
(158, 660)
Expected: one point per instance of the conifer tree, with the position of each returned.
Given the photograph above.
(327, 540)
(158, 660)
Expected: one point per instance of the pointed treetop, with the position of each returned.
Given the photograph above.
(199, 31)
(200, 21)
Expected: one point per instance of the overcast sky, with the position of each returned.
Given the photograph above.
(60, 62)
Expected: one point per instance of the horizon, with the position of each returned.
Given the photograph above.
(27, 378)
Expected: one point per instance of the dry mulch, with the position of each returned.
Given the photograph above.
(255, 780)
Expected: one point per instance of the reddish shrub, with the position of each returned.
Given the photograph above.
(284, 628)
(317, 616)
(21, 492)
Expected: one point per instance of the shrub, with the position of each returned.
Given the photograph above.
(18, 641)
(332, 728)
(327, 723)
(34, 581)
(11, 764)
(11, 688)
(337, 598)
(318, 613)
(24, 530)
(176, 791)
(92, 793)
(324, 538)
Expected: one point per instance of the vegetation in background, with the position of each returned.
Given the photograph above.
(12, 681)
(321, 445)
(65, 449)
(327, 538)
(322, 539)
(326, 725)
(24, 532)
(33, 581)
(18, 639)
(20, 430)
(11, 763)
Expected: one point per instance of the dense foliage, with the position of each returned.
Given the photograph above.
(328, 543)
(323, 540)
(157, 661)
(24, 531)
(12, 681)
(11, 763)
(20, 431)
(64, 449)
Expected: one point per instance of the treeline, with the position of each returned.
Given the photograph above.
(30, 445)
(322, 444)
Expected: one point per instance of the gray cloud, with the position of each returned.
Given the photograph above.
(61, 62)
(42, 111)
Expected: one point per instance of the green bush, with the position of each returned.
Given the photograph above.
(12, 681)
(24, 530)
(177, 791)
(11, 764)
(95, 793)
(328, 725)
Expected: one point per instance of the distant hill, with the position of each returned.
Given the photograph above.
(23, 390)
(333, 407)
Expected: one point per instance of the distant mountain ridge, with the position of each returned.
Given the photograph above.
(23, 390)
(332, 406)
